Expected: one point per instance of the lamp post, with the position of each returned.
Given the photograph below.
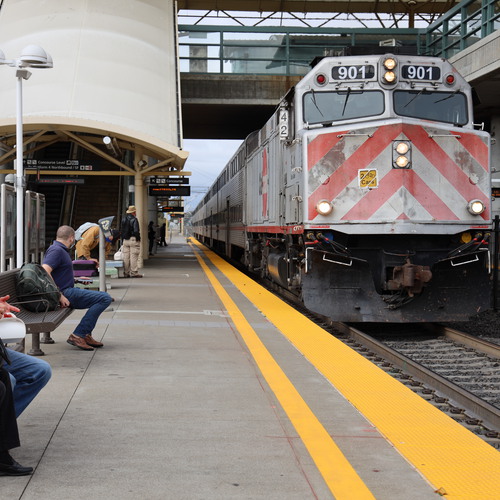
(31, 56)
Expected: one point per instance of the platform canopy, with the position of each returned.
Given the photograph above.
(320, 5)
(408, 10)
(113, 87)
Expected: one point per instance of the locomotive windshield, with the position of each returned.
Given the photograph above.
(327, 107)
(448, 107)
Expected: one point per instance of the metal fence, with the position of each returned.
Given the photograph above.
(462, 26)
(280, 51)
(290, 50)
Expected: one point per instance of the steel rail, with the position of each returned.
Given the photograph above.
(476, 343)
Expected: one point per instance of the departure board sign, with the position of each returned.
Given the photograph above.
(169, 190)
(60, 180)
(75, 165)
(169, 209)
(158, 181)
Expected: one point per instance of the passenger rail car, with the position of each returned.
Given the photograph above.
(367, 193)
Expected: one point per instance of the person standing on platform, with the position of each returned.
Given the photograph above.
(131, 249)
(163, 233)
(57, 262)
(151, 237)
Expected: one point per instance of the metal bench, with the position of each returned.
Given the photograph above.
(36, 323)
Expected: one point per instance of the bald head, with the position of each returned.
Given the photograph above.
(66, 235)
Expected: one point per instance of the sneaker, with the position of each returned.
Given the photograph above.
(92, 342)
(79, 342)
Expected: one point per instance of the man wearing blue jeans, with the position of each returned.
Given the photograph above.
(21, 379)
(28, 376)
(58, 264)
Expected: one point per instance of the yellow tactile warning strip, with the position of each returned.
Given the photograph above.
(459, 464)
(341, 478)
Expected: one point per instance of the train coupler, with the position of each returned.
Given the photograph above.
(410, 277)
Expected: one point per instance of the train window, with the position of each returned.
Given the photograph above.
(327, 107)
(448, 107)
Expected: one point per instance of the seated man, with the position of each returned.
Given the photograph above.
(30, 375)
(9, 434)
(58, 264)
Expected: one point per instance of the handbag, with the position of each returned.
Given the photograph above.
(119, 255)
(12, 331)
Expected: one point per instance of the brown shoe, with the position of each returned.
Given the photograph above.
(79, 342)
(136, 275)
(92, 342)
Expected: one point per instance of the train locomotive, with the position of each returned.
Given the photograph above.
(367, 194)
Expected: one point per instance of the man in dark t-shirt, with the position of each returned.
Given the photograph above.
(57, 262)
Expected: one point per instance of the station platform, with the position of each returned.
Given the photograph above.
(209, 387)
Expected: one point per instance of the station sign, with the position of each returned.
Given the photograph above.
(175, 203)
(60, 180)
(158, 181)
(169, 190)
(75, 165)
(169, 209)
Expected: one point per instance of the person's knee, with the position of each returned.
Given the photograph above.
(107, 298)
(41, 371)
(45, 372)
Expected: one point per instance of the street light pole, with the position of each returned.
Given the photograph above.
(31, 56)
(21, 74)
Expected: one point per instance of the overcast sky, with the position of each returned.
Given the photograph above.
(207, 158)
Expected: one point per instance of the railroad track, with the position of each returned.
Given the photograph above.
(455, 371)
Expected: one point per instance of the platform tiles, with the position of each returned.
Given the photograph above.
(197, 395)
(456, 463)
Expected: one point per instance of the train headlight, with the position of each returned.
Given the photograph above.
(389, 74)
(401, 156)
(402, 161)
(390, 77)
(324, 207)
(390, 63)
(476, 207)
(402, 148)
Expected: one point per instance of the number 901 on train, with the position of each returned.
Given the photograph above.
(367, 194)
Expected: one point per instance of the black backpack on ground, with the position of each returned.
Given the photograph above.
(36, 289)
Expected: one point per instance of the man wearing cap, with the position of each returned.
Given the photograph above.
(131, 238)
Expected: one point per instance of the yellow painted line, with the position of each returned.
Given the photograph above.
(341, 478)
(458, 463)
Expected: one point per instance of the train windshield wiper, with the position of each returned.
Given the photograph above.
(414, 97)
(346, 99)
(315, 104)
(448, 96)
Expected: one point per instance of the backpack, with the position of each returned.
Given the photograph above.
(36, 288)
(79, 232)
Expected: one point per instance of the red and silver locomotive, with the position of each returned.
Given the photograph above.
(367, 193)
